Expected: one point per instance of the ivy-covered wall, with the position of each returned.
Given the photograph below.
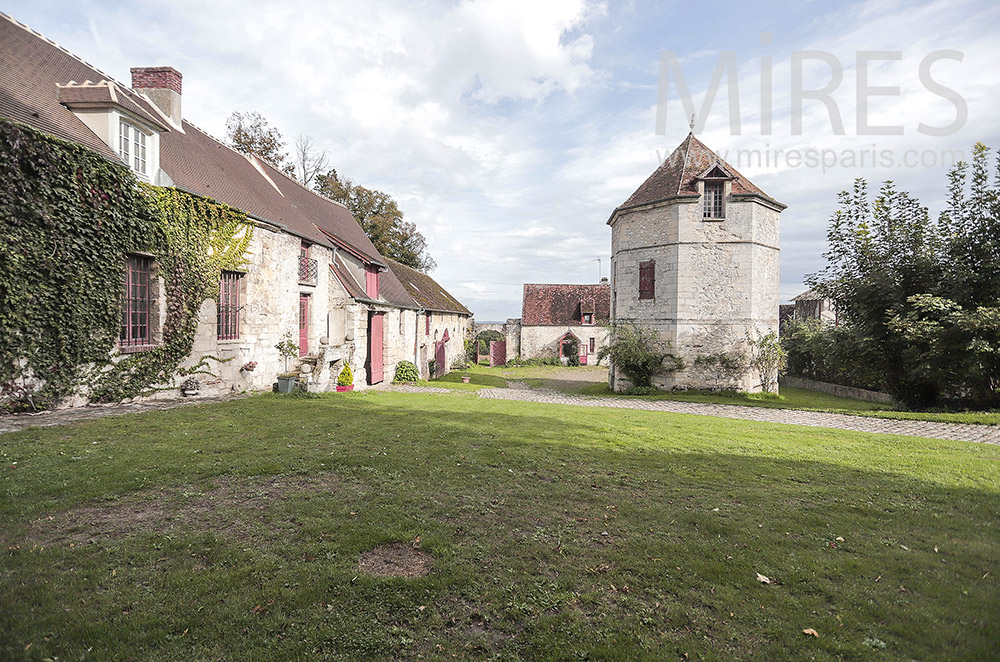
(68, 219)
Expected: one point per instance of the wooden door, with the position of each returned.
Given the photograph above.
(440, 359)
(303, 324)
(375, 347)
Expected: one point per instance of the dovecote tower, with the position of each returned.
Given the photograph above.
(695, 257)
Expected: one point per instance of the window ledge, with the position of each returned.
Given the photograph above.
(713, 220)
(135, 349)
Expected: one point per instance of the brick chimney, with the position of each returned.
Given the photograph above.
(163, 87)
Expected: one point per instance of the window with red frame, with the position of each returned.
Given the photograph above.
(427, 324)
(593, 344)
(588, 318)
(647, 279)
(228, 308)
(137, 302)
(371, 281)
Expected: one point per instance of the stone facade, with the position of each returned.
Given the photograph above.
(713, 280)
(346, 279)
(543, 341)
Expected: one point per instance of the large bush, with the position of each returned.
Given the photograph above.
(922, 297)
(635, 350)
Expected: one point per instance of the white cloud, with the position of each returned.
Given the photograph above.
(508, 131)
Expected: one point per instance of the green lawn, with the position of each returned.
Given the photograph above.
(592, 380)
(233, 532)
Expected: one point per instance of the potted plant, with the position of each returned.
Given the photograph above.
(345, 382)
(466, 379)
(287, 350)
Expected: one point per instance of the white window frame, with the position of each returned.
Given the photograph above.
(133, 146)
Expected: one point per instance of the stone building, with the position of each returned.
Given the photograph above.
(311, 272)
(552, 315)
(695, 257)
(810, 305)
(441, 323)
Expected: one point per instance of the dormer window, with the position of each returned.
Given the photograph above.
(713, 202)
(132, 146)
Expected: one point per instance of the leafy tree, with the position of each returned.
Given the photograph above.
(922, 296)
(634, 350)
(250, 133)
(380, 217)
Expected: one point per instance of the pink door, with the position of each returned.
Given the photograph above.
(375, 344)
(439, 359)
(303, 325)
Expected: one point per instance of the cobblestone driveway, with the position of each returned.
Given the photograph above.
(954, 431)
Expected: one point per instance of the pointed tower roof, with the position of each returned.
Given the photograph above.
(678, 176)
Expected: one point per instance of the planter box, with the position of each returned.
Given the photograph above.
(286, 384)
(344, 389)
(466, 380)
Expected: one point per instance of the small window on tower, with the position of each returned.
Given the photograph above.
(714, 206)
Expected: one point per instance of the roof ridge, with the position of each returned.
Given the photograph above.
(61, 48)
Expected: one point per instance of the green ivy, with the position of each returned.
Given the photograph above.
(68, 219)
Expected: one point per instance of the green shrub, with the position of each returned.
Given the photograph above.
(405, 372)
(633, 350)
(346, 377)
(641, 390)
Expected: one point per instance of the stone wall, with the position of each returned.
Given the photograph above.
(543, 341)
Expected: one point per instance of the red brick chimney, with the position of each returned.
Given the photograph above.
(163, 87)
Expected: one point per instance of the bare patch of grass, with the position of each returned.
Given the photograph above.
(396, 560)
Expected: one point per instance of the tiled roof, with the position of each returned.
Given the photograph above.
(558, 305)
(31, 71)
(809, 295)
(678, 176)
(425, 290)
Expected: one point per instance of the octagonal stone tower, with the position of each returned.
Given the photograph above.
(694, 255)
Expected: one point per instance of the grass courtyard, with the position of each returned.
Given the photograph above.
(241, 531)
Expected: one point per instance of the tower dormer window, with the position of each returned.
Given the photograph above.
(713, 201)
(132, 146)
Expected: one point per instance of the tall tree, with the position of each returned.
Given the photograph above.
(251, 133)
(380, 218)
(309, 161)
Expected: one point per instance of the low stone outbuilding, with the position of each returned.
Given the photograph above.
(554, 314)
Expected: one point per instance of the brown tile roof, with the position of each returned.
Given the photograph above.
(31, 70)
(678, 176)
(559, 305)
(425, 291)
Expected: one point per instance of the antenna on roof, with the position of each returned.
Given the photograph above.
(691, 124)
(600, 270)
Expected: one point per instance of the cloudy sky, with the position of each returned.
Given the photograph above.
(509, 130)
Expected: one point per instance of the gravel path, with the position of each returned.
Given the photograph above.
(953, 431)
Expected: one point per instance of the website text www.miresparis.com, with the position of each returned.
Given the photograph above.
(826, 158)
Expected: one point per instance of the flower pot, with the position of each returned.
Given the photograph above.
(466, 380)
(343, 389)
(286, 384)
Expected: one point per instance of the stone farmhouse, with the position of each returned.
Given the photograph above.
(311, 270)
(695, 257)
(552, 315)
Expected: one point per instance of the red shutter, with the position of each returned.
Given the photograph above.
(371, 281)
(647, 279)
